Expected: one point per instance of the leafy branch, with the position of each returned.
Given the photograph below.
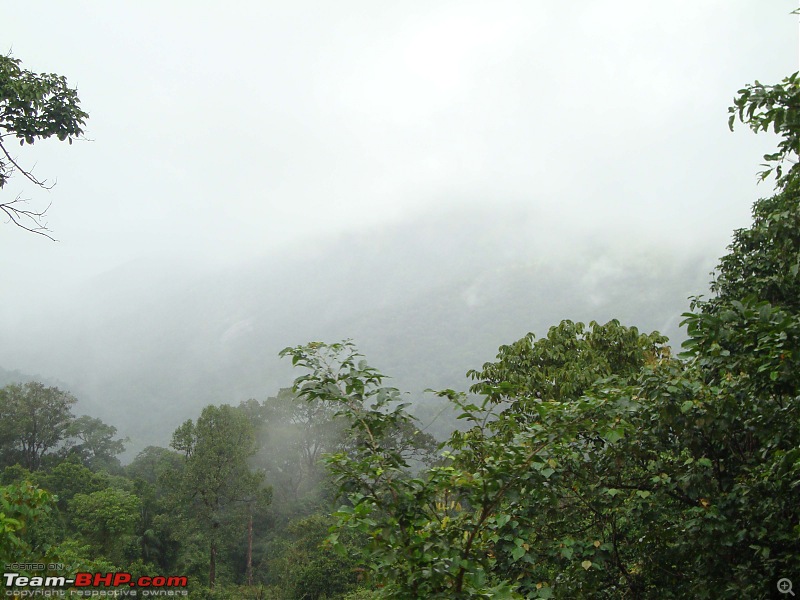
(33, 107)
(762, 107)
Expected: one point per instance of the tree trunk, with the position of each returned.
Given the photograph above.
(250, 548)
(212, 566)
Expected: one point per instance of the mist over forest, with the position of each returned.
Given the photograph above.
(145, 346)
(477, 174)
(397, 301)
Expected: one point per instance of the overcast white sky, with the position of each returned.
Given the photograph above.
(220, 131)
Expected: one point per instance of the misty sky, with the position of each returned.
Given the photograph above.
(220, 132)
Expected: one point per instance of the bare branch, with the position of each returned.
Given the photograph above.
(29, 220)
(27, 174)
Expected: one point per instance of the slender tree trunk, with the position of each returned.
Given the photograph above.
(250, 548)
(212, 566)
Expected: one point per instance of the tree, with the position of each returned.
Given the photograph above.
(154, 471)
(21, 504)
(106, 518)
(93, 442)
(37, 421)
(744, 349)
(152, 463)
(568, 362)
(33, 107)
(216, 475)
(34, 420)
(292, 437)
(69, 478)
(496, 516)
(306, 567)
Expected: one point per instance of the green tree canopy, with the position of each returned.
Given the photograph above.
(105, 518)
(568, 361)
(34, 420)
(95, 443)
(37, 423)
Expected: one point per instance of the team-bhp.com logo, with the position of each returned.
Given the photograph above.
(149, 586)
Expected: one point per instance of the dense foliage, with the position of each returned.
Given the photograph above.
(200, 509)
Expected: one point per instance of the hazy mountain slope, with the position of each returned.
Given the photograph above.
(146, 346)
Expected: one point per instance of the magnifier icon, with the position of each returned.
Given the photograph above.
(785, 586)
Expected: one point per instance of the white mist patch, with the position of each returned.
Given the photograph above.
(472, 296)
(598, 276)
(237, 331)
(444, 52)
